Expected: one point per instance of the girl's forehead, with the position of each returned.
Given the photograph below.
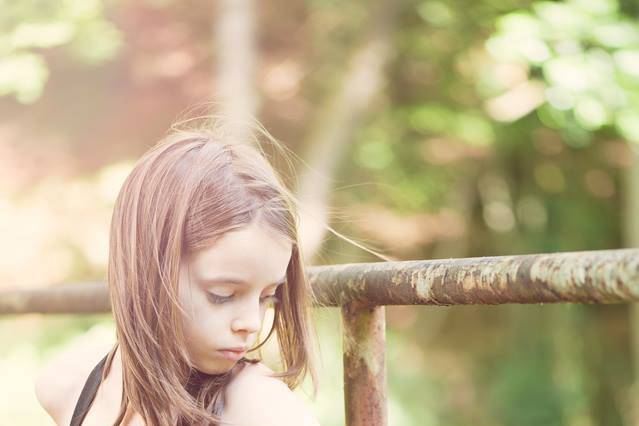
(250, 254)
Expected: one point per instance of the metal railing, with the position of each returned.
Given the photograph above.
(363, 289)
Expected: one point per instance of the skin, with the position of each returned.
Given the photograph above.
(257, 258)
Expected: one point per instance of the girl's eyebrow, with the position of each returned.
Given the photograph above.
(232, 280)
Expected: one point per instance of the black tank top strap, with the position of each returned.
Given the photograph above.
(88, 394)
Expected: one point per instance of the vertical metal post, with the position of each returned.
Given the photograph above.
(364, 344)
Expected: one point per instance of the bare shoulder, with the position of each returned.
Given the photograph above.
(254, 397)
(60, 380)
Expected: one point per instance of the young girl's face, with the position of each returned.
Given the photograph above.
(226, 290)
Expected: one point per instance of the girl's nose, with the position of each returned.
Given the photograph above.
(249, 319)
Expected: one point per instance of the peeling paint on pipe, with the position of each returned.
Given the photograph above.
(364, 345)
(598, 276)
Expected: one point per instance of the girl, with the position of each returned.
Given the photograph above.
(204, 239)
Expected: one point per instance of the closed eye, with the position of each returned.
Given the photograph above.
(218, 299)
(223, 299)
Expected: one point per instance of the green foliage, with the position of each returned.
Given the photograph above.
(29, 28)
(586, 53)
(522, 393)
(553, 171)
(469, 126)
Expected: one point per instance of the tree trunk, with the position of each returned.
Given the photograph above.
(338, 118)
(235, 93)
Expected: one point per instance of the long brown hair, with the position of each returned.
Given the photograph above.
(181, 196)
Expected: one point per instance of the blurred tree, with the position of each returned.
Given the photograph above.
(236, 65)
(520, 107)
(331, 131)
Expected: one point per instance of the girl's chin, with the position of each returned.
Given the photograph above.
(214, 366)
(213, 371)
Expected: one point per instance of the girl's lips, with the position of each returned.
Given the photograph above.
(232, 355)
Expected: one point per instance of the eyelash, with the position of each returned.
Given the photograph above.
(223, 299)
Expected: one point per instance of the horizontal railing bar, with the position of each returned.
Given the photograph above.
(74, 298)
(596, 276)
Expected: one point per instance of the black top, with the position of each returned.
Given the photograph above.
(92, 384)
(88, 394)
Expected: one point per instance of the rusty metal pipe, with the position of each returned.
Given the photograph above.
(77, 298)
(597, 276)
(364, 344)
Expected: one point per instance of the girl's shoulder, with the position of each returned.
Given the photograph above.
(254, 396)
(253, 374)
(60, 380)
